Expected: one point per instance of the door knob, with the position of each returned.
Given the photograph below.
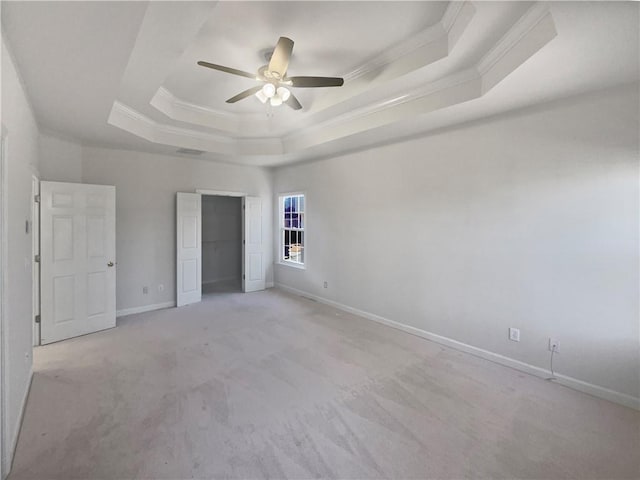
(110, 264)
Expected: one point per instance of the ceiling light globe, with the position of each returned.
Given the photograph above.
(269, 90)
(283, 93)
(261, 96)
(276, 101)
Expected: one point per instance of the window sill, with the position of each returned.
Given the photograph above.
(292, 265)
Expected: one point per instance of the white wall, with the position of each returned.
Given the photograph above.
(60, 160)
(22, 160)
(528, 220)
(146, 186)
(221, 238)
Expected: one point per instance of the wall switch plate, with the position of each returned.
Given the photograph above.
(326, 285)
(145, 290)
(514, 334)
(554, 345)
(161, 288)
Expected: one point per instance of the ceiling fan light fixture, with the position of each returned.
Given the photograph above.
(276, 101)
(283, 93)
(269, 90)
(261, 96)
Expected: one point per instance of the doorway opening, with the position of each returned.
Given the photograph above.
(221, 244)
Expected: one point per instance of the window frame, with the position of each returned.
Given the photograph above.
(282, 229)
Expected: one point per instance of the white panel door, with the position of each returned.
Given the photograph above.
(189, 248)
(78, 256)
(253, 267)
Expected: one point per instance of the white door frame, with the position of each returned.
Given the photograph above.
(4, 444)
(35, 252)
(243, 196)
(220, 193)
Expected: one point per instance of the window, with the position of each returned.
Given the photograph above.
(292, 224)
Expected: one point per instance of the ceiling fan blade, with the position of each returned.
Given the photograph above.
(308, 82)
(281, 56)
(293, 102)
(245, 94)
(233, 71)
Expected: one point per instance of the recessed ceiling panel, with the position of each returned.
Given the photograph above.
(331, 39)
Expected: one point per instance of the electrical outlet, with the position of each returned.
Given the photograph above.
(514, 334)
(145, 290)
(326, 285)
(554, 345)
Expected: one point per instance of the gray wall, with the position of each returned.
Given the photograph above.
(221, 238)
(60, 160)
(528, 220)
(21, 163)
(146, 186)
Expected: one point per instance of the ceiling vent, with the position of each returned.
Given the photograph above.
(189, 151)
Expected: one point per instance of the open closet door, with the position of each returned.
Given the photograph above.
(189, 248)
(253, 243)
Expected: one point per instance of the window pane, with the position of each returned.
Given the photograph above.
(301, 220)
(287, 204)
(294, 204)
(287, 220)
(301, 203)
(295, 249)
(300, 242)
(287, 242)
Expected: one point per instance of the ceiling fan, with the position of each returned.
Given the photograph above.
(275, 83)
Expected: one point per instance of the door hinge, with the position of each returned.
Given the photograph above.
(244, 242)
(37, 318)
(36, 198)
(37, 258)
(243, 276)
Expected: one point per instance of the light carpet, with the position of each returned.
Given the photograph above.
(270, 385)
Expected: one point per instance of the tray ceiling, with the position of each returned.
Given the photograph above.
(124, 73)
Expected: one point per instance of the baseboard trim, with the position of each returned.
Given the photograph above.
(574, 383)
(16, 433)
(145, 308)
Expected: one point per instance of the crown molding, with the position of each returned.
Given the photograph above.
(451, 14)
(234, 124)
(458, 88)
(431, 35)
(529, 34)
(456, 19)
(421, 39)
(424, 48)
(126, 118)
(178, 109)
(522, 27)
(389, 103)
